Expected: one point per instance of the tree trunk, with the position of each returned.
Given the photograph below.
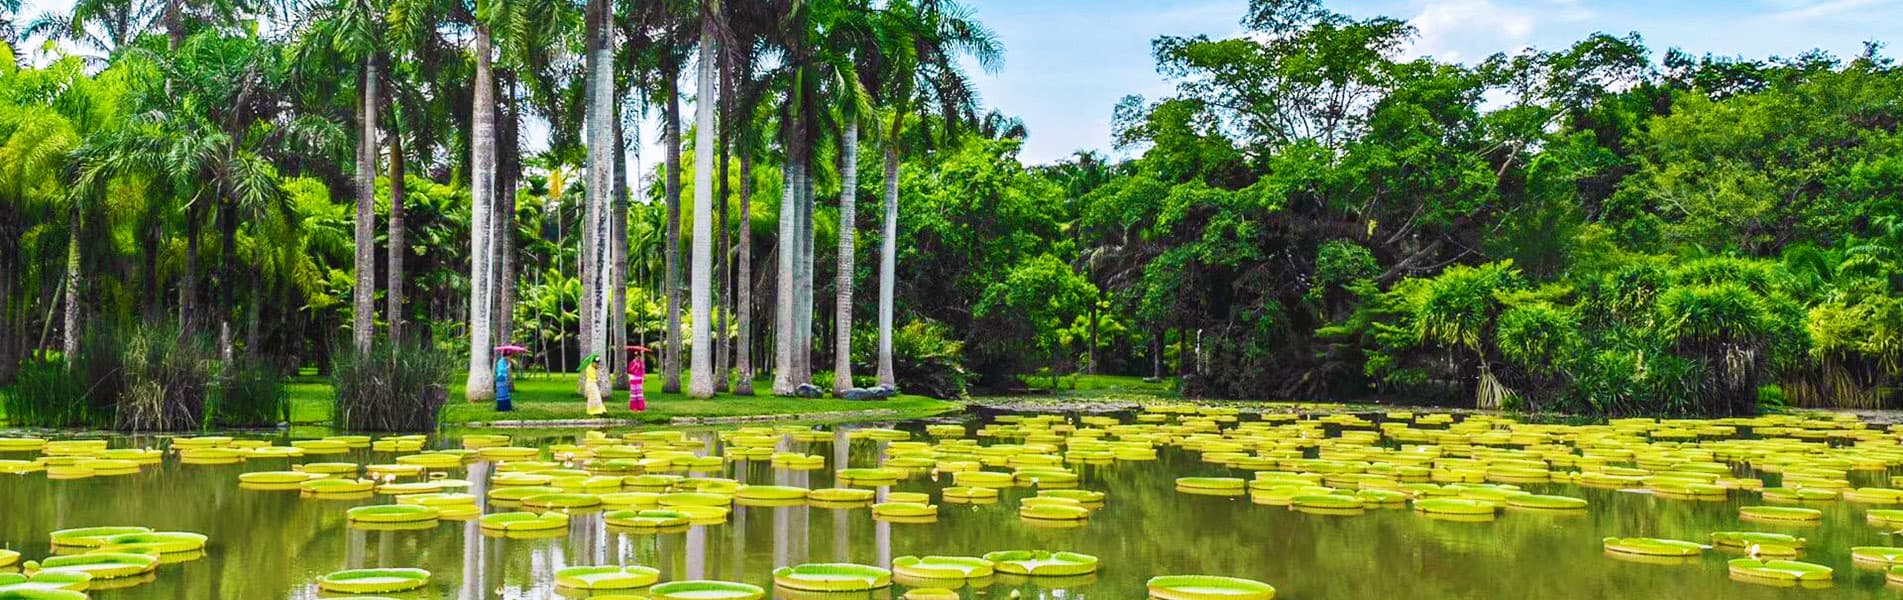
(1156, 354)
(842, 281)
(480, 385)
(784, 382)
(69, 326)
(670, 285)
(600, 125)
(888, 257)
(1094, 317)
(502, 236)
(188, 283)
(363, 307)
(743, 351)
(723, 258)
(701, 282)
(803, 311)
(618, 240)
(398, 241)
(174, 18)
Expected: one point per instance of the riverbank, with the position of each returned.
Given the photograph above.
(552, 401)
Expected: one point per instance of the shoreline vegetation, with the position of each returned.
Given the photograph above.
(549, 402)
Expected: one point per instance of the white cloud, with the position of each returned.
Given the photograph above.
(1830, 9)
(1471, 30)
(1464, 30)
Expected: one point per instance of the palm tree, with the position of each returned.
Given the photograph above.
(701, 371)
(748, 30)
(601, 176)
(9, 30)
(670, 284)
(855, 39)
(363, 306)
(924, 72)
(101, 28)
(480, 386)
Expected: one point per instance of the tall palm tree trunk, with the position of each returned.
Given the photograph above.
(803, 312)
(508, 174)
(363, 308)
(480, 385)
(600, 125)
(398, 239)
(723, 257)
(888, 255)
(618, 240)
(701, 273)
(743, 281)
(784, 381)
(188, 280)
(69, 319)
(670, 286)
(842, 281)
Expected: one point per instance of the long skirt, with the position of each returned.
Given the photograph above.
(592, 391)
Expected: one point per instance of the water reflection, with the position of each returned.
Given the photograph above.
(275, 544)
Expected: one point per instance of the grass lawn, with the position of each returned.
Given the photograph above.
(1093, 385)
(554, 398)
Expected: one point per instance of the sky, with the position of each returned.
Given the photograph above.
(1068, 62)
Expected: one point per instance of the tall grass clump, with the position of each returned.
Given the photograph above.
(391, 388)
(46, 393)
(160, 379)
(248, 395)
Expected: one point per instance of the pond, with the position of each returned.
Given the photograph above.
(278, 544)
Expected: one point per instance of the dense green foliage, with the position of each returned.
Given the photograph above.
(1312, 214)
(1319, 217)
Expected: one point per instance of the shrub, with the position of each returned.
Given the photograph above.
(391, 388)
(161, 377)
(926, 360)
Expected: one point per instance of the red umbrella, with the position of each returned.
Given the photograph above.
(639, 349)
(511, 350)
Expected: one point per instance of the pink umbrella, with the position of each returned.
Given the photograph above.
(511, 350)
(639, 349)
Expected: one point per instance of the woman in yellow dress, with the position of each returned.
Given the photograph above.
(591, 385)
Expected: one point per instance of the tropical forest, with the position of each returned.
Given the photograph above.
(801, 232)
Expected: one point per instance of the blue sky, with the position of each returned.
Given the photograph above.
(1067, 62)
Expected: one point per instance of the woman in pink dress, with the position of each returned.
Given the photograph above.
(637, 374)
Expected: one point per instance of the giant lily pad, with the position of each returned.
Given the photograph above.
(705, 590)
(1204, 587)
(832, 577)
(607, 577)
(1038, 562)
(374, 581)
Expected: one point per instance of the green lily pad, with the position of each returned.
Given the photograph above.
(832, 577)
(1205, 587)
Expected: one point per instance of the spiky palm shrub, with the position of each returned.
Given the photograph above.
(1539, 341)
(1456, 311)
(926, 359)
(391, 388)
(162, 379)
(1725, 328)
